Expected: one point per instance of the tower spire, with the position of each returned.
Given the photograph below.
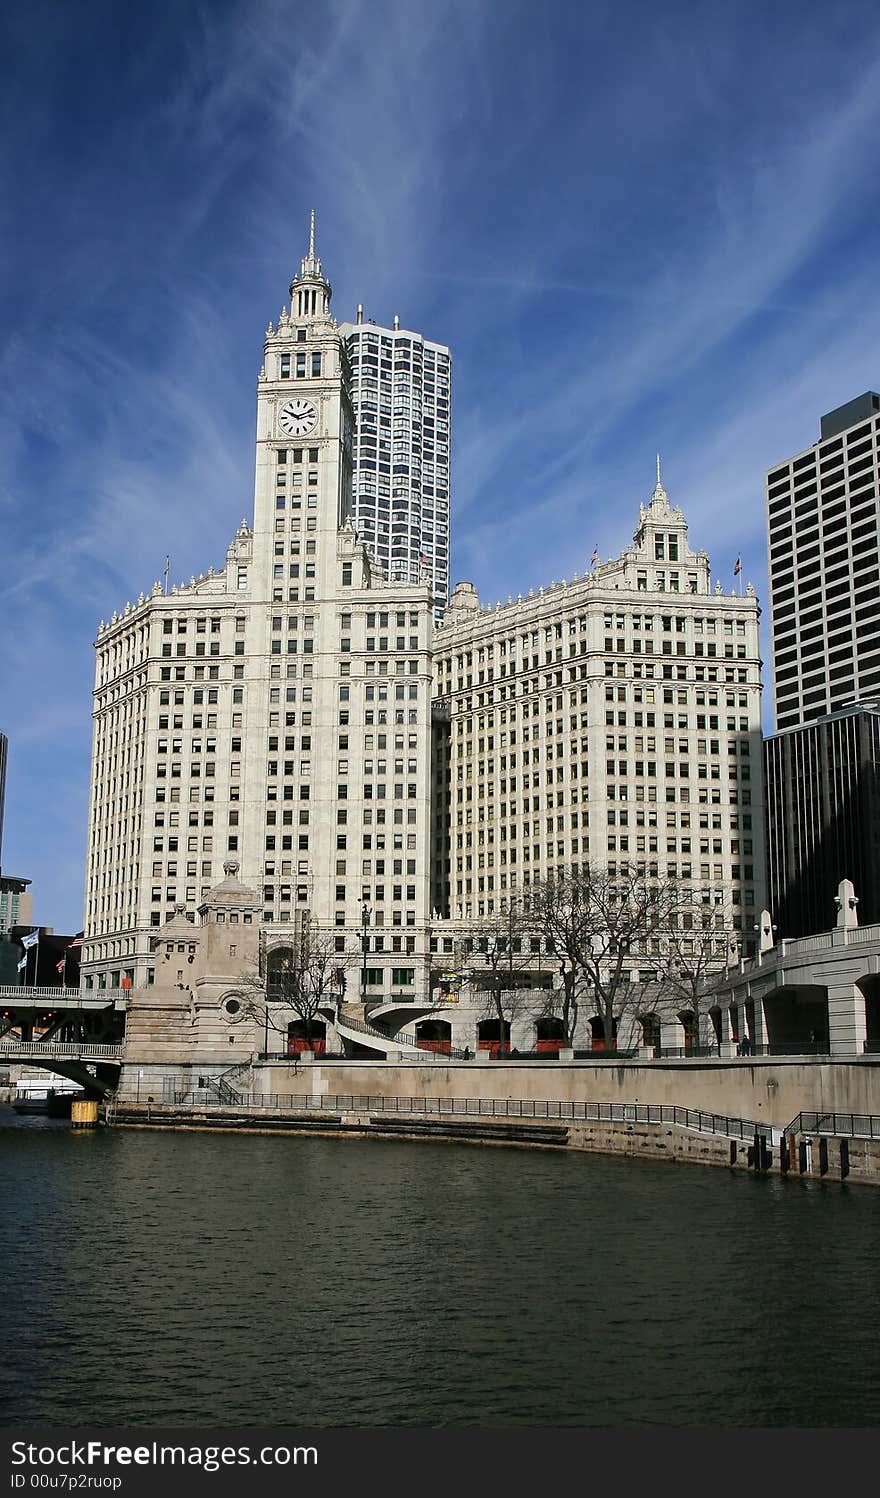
(309, 290)
(659, 497)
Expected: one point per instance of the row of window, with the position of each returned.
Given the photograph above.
(299, 365)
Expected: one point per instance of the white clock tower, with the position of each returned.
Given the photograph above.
(304, 413)
(346, 660)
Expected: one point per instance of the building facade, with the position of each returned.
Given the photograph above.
(295, 719)
(612, 719)
(400, 392)
(823, 819)
(275, 712)
(822, 509)
(16, 902)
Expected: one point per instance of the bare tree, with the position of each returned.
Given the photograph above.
(559, 909)
(307, 981)
(497, 953)
(698, 946)
(608, 933)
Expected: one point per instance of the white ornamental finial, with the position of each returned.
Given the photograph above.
(659, 480)
(312, 235)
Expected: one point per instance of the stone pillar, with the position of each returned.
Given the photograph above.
(671, 1034)
(759, 1027)
(846, 901)
(728, 1044)
(847, 1029)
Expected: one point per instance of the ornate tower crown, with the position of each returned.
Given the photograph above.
(659, 498)
(310, 293)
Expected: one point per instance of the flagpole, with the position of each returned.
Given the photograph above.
(34, 944)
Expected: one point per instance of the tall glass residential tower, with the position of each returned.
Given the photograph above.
(400, 390)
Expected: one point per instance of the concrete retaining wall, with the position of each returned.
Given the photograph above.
(769, 1091)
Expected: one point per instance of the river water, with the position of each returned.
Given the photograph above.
(186, 1279)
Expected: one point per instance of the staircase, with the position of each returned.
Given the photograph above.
(365, 1033)
(221, 1088)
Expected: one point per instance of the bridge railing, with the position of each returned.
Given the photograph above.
(63, 1050)
(10, 992)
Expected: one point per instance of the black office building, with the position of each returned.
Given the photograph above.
(823, 511)
(823, 819)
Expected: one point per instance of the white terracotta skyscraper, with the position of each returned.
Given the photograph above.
(274, 714)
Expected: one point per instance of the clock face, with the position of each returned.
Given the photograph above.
(295, 418)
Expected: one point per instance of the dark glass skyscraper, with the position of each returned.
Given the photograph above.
(823, 510)
(823, 819)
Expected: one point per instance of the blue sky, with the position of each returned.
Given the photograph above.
(639, 227)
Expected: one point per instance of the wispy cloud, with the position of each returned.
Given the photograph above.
(635, 227)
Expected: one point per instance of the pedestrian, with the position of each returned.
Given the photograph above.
(746, 1046)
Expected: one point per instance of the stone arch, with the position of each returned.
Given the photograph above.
(870, 987)
(796, 1019)
(733, 1016)
(302, 1037)
(494, 1037)
(280, 962)
(434, 1035)
(597, 1034)
(689, 1022)
(549, 1035)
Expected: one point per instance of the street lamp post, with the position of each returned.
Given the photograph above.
(365, 926)
(263, 968)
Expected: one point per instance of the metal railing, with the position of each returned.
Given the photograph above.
(837, 1125)
(504, 1108)
(221, 1087)
(21, 992)
(62, 1049)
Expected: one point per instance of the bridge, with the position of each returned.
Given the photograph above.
(823, 988)
(22, 998)
(77, 1033)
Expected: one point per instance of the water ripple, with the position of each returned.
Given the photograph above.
(191, 1279)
